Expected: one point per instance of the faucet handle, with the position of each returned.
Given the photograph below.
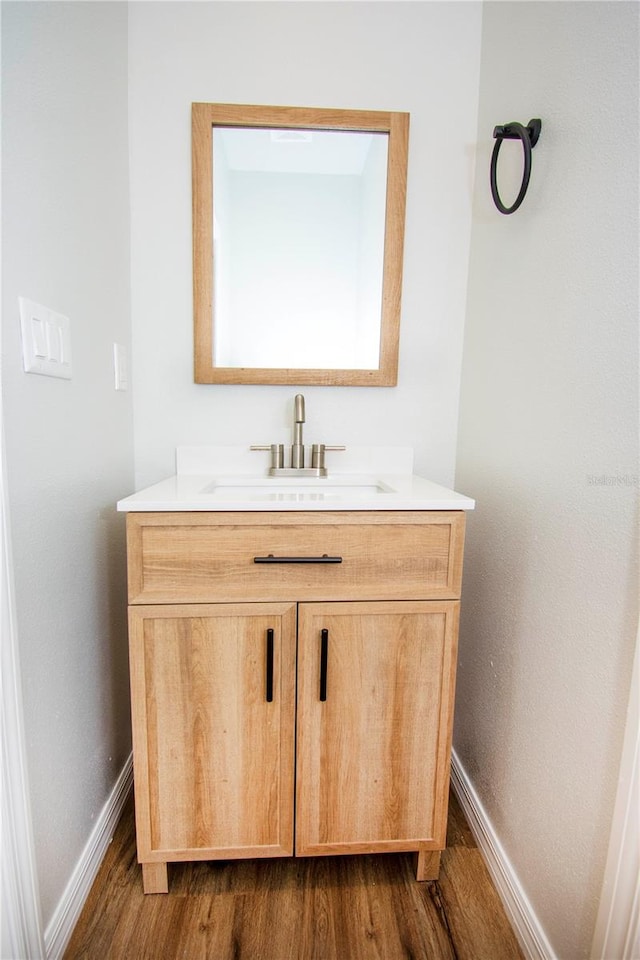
(277, 453)
(317, 454)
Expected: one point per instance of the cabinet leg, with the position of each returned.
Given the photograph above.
(155, 878)
(428, 865)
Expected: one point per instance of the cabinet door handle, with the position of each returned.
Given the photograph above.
(269, 665)
(324, 653)
(270, 558)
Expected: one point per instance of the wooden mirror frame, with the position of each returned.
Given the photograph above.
(207, 115)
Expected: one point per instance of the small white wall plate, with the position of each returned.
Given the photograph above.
(120, 367)
(46, 340)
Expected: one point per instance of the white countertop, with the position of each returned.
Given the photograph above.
(345, 492)
(234, 478)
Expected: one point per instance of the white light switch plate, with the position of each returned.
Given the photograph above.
(120, 367)
(46, 340)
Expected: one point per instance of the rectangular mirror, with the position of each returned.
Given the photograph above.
(298, 230)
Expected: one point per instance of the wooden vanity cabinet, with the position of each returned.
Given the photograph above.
(299, 704)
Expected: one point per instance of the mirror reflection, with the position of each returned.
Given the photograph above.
(298, 247)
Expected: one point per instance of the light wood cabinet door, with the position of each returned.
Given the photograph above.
(213, 746)
(373, 757)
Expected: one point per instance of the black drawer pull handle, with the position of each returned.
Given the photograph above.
(325, 558)
(269, 665)
(324, 652)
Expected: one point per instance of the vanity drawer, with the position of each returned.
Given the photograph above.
(209, 557)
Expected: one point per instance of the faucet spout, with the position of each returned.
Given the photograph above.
(297, 468)
(297, 449)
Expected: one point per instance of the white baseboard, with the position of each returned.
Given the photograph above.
(526, 926)
(63, 921)
(617, 932)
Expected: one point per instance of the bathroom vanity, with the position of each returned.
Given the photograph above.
(293, 654)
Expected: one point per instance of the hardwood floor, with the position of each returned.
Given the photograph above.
(316, 908)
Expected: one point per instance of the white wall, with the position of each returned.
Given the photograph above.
(65, 243)
(549, 410)
(418, 57)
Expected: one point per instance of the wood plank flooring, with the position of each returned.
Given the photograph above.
(320, 908)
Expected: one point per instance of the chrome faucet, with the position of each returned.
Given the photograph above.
(297, 468)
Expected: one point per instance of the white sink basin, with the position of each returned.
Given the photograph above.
(298, 488)
(225, 479)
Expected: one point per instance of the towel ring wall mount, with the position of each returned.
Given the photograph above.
(529, 136)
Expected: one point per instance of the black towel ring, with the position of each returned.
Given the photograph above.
(529, 136)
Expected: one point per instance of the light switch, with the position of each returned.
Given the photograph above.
(39, 338)
(54, 342)
(46, 340)
(120, 367)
